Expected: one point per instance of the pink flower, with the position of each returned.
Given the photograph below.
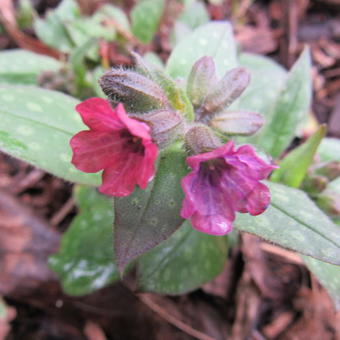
(222, 182)
(115, 143)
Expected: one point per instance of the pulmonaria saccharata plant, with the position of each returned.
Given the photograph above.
(224, 179)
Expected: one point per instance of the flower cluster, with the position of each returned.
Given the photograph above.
(224, 179)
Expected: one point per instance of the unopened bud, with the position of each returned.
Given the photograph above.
(176, 96)
(314, 184)
(331, 170)
(137, 92)
(329, 201)
(201, 78)
(141, 66)
(166, 126)
(200, 138)
(242, 123)
(225, 91)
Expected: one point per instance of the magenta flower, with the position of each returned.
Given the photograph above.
(115, 143)
(223, 181)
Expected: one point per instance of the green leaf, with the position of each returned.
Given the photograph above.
(335, 185)
(214, 39)
(328, 275)
(154, 59)
(53, 33)
(77, 60)
(293, 221)
(25, 13)
(145, 17)
(81, 30)
(290, 108)
(36, 126)
(194, 15)
(109, 11)
(294, 166)
(329, 150)
(67, 10)
(148, 217)
(3, 311)
(84, 262)
(178, 33)
(96, 74)
(182, 263)
(265, 74)
(23, 67)
(52, 30)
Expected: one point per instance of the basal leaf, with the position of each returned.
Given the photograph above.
(148, 217)
(294, 166)
(52, 30)
(77, 60)
(214, 39)
(329, 150)
(267, 80)
(328, 275)
(194, 15)
(109, 11)
(145, 18)
(23, 67)
(182, 263)
(36, 126)
(294, 221)
(290, 108)
(84, 262)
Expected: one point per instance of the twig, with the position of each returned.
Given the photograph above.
(61, 213)
(289, 255)
(29, 180)
(145, 298)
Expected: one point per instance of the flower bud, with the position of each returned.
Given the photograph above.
(329, 201)
(331, 170)
(141, 66)
(225, 91)
(314, 184)
(243, 123)
(176, 96)
(200, 80)
(137, 92)
(166, 125)
(200, 138)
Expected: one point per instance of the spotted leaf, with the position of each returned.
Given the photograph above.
(84, 262)
(182, 263)
(36, 126)
(147, 217)
(294, 221)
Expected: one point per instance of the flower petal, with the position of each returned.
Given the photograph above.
(115, 143)
(212, 224)
(207, 206)
(223, 181)
(195, 161)
(119, 178)
(98, 115)
(258, 199)
(94, 150)
(135, 127)
(259, 168)
(146, 168)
